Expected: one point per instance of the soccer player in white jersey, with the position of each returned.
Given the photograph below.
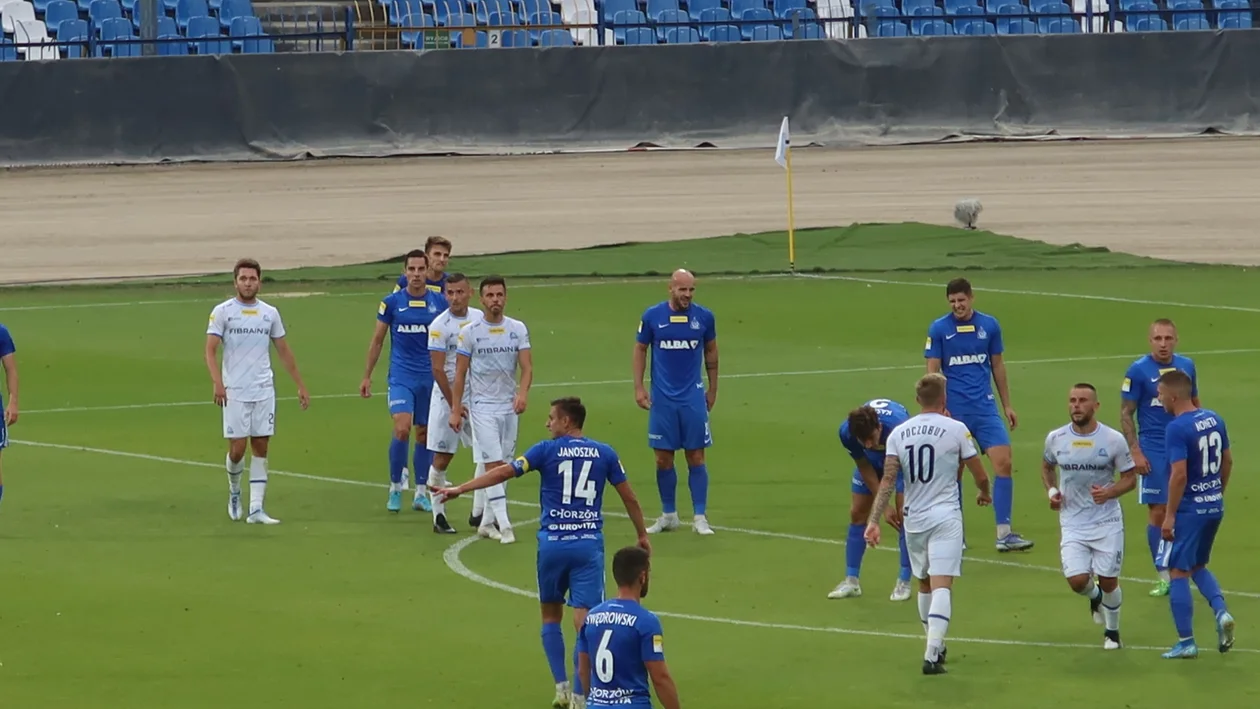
(1088, 455)
(929, 448)
(488, 354)
(245, 386)
(443, 343)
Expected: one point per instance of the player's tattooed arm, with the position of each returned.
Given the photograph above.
(892, 465)
(1128, 423)
(1048, 476)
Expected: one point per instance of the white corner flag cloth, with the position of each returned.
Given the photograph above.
(780, 151)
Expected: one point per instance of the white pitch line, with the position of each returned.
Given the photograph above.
(1009, 291)
(605, 382)
(532, 505)
(453, 561)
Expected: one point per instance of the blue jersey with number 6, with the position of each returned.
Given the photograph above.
(1199, 438)
(573, 471)
(620, 637)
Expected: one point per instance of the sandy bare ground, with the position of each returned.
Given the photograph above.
(1191, 199)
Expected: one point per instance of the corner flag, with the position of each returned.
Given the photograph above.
(783, 156)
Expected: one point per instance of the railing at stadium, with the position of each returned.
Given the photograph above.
(233, 26)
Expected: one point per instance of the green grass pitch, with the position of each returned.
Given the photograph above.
(125, 585)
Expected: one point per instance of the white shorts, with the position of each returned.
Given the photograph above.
(1099, 553)
(249, 419)
(938, 550)
(493, 436)
(441, 439)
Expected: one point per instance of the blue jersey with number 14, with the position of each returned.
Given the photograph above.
(1199, 438)
(573, 471)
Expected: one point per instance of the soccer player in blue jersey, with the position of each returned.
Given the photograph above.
(8, 414)
(682, 336)
(623, 643)
(437, 254)
(572, 470)
(1200, 462)
(863, 435)
(1143, 421)
(966, 346)
(405, 316)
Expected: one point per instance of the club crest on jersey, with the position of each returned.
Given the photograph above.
(678, 344)
(695, 324)
(968, 359)
(980, 333)
(1102, 453)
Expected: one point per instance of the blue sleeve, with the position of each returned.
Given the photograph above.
(384, 313)
(710, 329)
(1175, 442)
(1131, 388)
(652, 639)
(644, 335)
(616, 471)
(932, 350)
(1194, 380)
(855, 449)
(995, 339)
(402, 283)
(6, 342)
(1224, 434)
(534, 458)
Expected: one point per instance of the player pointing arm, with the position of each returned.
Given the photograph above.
(966, 346)
(9, 413)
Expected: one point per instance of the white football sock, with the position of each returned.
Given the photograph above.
(479, 496)
(1003, 531)
(1090, 589)
(257, 483)
(938, 623)
(234, 471)
(1111, 608)
(437, 478)
(1165, 576)
(496, 504)
(925, 605)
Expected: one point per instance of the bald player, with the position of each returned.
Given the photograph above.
(682, 337)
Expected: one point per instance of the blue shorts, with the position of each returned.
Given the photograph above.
(1191, 546)
(572, 568)
(1153, 487)
(676, 425)
(988, 429)
(859, 485)
(411, 399)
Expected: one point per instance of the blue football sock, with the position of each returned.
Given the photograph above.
(698, 483)
(420, 470)
(1152, 539)
(904, 575)
(577, 681)
(397, 459)
(1182, 604)
(1211, 590)
(553, 646)
(667, 484)
(854, 550)
(1003, 499)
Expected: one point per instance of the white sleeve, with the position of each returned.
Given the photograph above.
(218, 322)
(524, 336)
(966, 446)
(1048, 454)
(277, 325)
(437, 341)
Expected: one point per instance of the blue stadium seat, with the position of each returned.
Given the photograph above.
(1193, 23)
(712, 17)
(978, 28)
(640, 35)
(800, 17)
(909, 6)
(529, 8)
(57, 11)
(412, 39)
(724, 33)
(656, 7)
(891, 28)
(1063, 26)
(516, 39)
(754, 15)
(171, 47)
(924, 14)
(738, 6)
(401, 8)
(670, 20)
(442, 9)
(761, 33)
(503, 19)
(952, 6)
(681, 35)
(205, 37)
(232, 9)
(783, 7)
(1235, 20)
(626, 20)
(1188, 10)
(810, 31)
(250, 28)
(1051, 9)
(695, 8)
(546, 17)
(113, 29)
(934, 28)
(1139, 10)
(964, 20)
(555, 38)
(102, 10)
(458, 20)
(1148, 23)
(612, 7)
(185, 10)
(75, 30)
(1016, 25)
(1012, 14)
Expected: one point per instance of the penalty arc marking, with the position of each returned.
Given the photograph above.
(453, 561)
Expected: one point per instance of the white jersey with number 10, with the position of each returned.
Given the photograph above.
(930, 448)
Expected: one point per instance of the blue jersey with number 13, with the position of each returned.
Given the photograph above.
(573, 471)
(1199, 438)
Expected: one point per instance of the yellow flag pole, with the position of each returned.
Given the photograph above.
(791, 216)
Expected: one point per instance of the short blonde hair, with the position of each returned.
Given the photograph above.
(930, 390)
